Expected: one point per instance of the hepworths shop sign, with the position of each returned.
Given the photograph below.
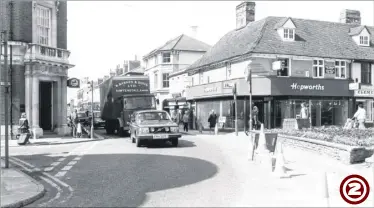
(310, 87)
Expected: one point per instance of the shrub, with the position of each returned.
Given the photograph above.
(352, 137)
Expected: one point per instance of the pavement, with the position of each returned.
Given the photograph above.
(212, 170)
(18, 189)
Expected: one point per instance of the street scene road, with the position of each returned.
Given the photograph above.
(204, 170)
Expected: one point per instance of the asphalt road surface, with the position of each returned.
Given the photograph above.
(113, 172)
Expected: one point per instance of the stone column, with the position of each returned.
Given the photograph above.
(38, 132)
(60, 130)
(28, 87)
(63, 118)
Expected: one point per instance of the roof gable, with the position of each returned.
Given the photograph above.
(312, 38)
(359, 30)
(285, 23)
(182, 43)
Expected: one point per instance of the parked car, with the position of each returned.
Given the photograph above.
(98, 122)
(150, 125)
(83, 118)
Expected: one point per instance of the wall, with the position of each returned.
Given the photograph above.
(300, 67)
(189, 57)
(178, 83)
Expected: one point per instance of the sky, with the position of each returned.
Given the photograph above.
(102, 34)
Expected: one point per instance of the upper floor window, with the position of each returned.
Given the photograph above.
(207, 79)
(43, 25)
(288, 34)
(166, 58)
(340, 69)
(155, 81)
(192, 81)
(285, 70)
(366, 73)
(201, 78)
(318, 66)
(165, 80)
(364, 40)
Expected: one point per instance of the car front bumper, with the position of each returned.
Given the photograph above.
(150, 136)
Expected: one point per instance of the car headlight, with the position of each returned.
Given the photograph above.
(174, 129)
(143, 130)
(152, 129)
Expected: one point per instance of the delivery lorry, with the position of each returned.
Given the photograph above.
(120, 96)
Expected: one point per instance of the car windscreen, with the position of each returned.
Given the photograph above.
(131, 103)
(153, 116)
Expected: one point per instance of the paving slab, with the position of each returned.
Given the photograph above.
(18, 189)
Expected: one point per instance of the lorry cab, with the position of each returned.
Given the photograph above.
(134, 103)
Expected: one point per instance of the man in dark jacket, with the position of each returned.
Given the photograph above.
(212, 120)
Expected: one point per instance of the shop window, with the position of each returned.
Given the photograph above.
(285, 71)
(318, 66)
(368, 106)
(366, 73)
(340, 69)
(166, 58)
(165, 80)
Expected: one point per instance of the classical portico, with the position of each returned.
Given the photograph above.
(46, 72)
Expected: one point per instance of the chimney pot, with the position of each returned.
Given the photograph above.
(350, 17)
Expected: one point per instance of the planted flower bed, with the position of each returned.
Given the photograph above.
(348, 145)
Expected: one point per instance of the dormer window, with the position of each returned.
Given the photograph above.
(288, 34)
(360, 35)
(364, 40)
(286, 29)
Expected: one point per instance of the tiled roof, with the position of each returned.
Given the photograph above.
(182, 43)
(312, 38)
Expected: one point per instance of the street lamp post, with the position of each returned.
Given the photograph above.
(92, 113)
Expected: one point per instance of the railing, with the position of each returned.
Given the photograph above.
(41, 52)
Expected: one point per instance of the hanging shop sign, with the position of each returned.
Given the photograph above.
(364, 93)
(73, 83)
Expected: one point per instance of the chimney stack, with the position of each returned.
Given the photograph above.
(245, 13)
(350, 17)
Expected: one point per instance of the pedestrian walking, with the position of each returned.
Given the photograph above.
(186, 119)
(212, 121)
(74, 119)
(360, 116)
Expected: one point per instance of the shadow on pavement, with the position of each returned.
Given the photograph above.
(161, 144)
(57, 143)
(123, 180)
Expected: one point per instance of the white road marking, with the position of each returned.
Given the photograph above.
(60, 174)
(55, 163)
(72, 163)
(21, 165)
(61, 159)
(58, 195)
(67, 167)
(77, 158)
(48, 169)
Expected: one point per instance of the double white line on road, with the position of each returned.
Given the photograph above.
(51, 180)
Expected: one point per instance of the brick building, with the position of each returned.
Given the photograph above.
(326, 66)
(37, 36)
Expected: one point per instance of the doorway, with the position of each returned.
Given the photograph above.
(45, 105)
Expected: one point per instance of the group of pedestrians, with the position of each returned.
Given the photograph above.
(184, 119)
(75, 125)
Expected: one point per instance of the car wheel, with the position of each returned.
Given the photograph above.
(174, 142)
(138, 142)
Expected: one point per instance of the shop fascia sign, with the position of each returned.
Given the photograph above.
(301, 87)
(364, 93)
(228, 85)
(210, 89)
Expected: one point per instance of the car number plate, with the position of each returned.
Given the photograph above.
(160, 136)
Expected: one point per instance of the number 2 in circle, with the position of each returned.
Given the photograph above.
(354, 189)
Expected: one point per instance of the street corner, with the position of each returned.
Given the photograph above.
(19, 189)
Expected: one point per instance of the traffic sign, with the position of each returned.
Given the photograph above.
(354, 189)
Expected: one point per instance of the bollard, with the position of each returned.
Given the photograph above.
(216, 130)
(262, 148)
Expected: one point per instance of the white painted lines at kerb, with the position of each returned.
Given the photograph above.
(70, 165)
(51, 180)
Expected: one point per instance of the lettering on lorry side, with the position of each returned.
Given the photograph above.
(134, 82)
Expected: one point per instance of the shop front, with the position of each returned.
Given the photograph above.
(327, 101)
(364, 94)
